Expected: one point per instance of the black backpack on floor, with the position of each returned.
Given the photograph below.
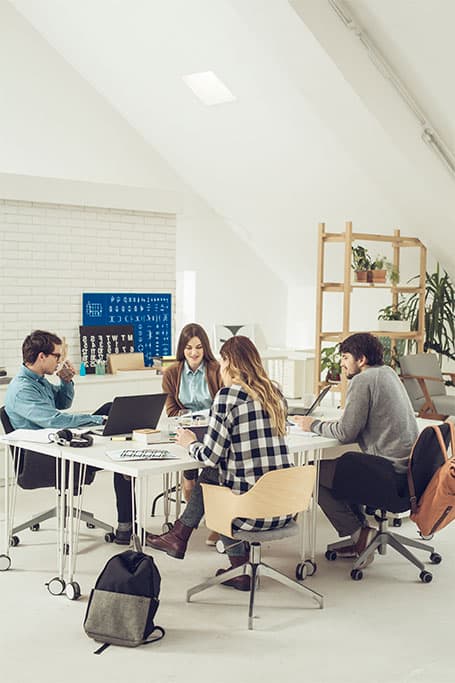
(124, 601)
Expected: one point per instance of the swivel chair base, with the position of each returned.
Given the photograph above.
(254, 568)
(383, 538)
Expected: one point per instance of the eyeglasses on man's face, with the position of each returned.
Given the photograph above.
(56, 355)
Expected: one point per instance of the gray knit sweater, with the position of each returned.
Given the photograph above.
(378, 416)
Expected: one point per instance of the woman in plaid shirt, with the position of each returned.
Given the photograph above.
(245, 439)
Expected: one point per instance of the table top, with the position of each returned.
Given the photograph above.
(96, 455)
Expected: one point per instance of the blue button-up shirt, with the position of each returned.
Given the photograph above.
(194, 393)
(32, 402)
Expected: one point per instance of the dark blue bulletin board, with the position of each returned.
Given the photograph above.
(149, 314)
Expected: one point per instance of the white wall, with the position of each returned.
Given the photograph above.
(56, 130)
(51, 254)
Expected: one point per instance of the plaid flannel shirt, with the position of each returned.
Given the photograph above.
(240, 441)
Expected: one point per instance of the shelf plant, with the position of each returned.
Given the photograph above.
(331, 361)
(361, 262)
(394, 318)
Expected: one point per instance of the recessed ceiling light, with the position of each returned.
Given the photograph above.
(207, 86)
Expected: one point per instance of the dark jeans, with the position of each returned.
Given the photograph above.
(122, 486)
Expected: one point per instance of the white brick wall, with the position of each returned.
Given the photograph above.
(50, 254)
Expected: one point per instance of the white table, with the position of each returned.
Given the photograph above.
(94, 456)
(306, 448)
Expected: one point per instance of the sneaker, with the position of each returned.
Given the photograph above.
(354, 550)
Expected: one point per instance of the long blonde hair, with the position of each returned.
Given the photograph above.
(245, 368)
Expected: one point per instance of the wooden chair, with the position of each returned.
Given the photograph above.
(424, 382)
(277, 493)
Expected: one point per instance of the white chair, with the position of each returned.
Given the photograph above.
(424, 382)
(277, 493)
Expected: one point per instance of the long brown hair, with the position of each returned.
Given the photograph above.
(189, 331)
(245, 367)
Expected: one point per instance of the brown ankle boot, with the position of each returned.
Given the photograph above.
(240, 583)
(174, 542)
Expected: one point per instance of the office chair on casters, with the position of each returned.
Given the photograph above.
(424, 383)
(35, 471)
(376, 486)
(277, 493)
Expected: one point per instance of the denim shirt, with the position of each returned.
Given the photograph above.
(32, 402)
(194, 393)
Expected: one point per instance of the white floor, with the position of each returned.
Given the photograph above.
(387, 628)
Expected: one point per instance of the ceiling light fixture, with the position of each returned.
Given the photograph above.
(209, 88)
(428, 133)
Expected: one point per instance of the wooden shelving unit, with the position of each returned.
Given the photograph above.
(346, 288)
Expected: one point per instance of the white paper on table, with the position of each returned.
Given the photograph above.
(30, 435)
(298, 431)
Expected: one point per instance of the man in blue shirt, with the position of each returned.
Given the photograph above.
(32, 402)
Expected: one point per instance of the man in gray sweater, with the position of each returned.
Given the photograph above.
(379, 417)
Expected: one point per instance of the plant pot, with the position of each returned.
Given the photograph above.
(377, 276)
(333, 377)
(394, 325)
(361, 275)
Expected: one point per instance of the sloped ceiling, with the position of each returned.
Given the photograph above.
(304, 141)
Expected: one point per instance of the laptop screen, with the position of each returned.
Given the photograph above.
(134, 412)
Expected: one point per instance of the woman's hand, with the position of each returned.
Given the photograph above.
(184, 437)
(304, 422)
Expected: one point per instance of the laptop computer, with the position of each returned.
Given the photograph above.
(132, 412)
(313, 406)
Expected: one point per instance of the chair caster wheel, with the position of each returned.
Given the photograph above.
(35, 527)
(109, 537)
(219, 545)
(331, 555)
(304, 569)
(167, 526)
(396, 522)
(426, 577)
(14, 541)
(73, 591)
(356, 574)
(435, 558)
(56, 586)
(5, 563)
(90, 525)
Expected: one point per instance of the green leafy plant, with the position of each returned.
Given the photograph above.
(382, 263)
(361, 259)
(331, 361)
(398, 312)
(439, 313)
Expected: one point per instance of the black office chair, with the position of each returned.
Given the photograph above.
(36, 471)
(372, 482)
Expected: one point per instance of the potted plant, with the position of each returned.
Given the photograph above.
(380, 268)
(393, 318)
(331, 361)
(439, 313)
(361, 263)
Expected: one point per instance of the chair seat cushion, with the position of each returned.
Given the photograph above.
(291, 529)
(370, 480)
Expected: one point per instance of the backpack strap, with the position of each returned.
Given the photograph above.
(149, 640)
(437, 430)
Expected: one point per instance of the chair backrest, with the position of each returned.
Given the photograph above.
(427, 457)
(36, 470)
(276, 494)
(423, 365)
